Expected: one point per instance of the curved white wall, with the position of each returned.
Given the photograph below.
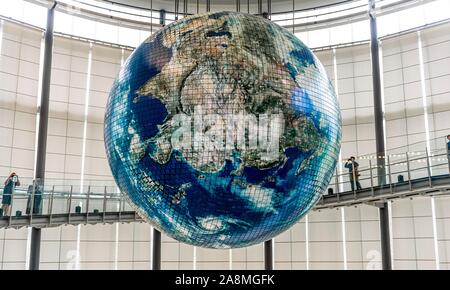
(316, 27)
(19, 77)
(82, 74)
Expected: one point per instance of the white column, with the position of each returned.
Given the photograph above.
(83, 154)
(194, 259)
(344, 239)
(86, 112)
(336, 88)
(435, 237)
(424, 96)
(307, 241)
(391, 240)
(230, 259)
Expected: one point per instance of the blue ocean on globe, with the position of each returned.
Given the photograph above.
(222, 130)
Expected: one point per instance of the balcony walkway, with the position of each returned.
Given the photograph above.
(418, 174)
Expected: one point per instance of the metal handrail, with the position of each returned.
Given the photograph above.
(413, 166)
(99, 200)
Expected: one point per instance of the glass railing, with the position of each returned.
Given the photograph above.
(62, 196)
(75, 196)
(399, 165)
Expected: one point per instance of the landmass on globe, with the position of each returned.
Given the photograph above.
(222, 129)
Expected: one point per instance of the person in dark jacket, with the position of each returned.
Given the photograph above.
(448, 152)
(352, 167)
(448, 144)
(11, 182)
(36, 192)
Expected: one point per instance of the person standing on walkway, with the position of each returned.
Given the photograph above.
(448, 152)
(352, 167)
(11, 182)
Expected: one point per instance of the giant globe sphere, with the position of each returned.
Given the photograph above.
(222, 129)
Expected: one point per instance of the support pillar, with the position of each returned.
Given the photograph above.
(260, 7)
(177, 5)
(35, 248)
(42, 134)
(377, 101)
(162, 17)
(268, 255)
(385, 238)
(379, 135)
(156, 250)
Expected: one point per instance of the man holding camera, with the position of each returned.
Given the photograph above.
(11, 182)
(352, 167)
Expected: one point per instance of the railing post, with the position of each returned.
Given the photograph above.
(409, 171)
(389, 173)
(33, 192)
(354, 180)
(11, 208)
(104, 204)
(336, 181)
(87, 203)
(428, 168)
(51, 204)
(69, 204)
(448, 156)
(371, 178)
(120, 204)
